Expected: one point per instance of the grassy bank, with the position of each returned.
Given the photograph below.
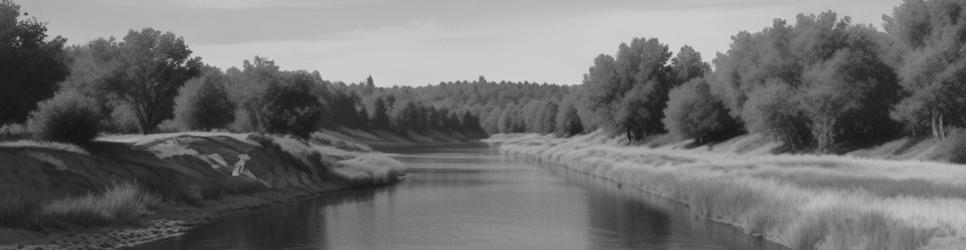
(380, 138)
(801, 201)
(156, 186)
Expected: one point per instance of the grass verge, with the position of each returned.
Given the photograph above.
(800, 201)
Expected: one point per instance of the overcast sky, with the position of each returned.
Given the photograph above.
(418, 42)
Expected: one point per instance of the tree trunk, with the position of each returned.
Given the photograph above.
(937, 123)
(932, 125)
(942, 127)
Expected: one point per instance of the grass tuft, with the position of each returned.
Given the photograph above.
(17, 212)
(122, 203)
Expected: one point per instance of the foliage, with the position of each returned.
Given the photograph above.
(928, 49)
(203, 103)
(30, 64)
(152, 66)
(773, 110)
(693, 112)
(67, 117)
(835, 84)
(288, 107)
(568, 122)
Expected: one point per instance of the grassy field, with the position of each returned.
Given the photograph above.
(801, 201)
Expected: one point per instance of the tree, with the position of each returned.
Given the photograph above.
(636, 112)
(153, 66)
(548, 118)
(849, 95)
(821, 80)
(930, 54)
(600, 90)
(380, 119)
(687, 65)
(370, 84)
(568, 122)
(644, 83)
(693, 112)
(203, 103)
(30, 64)
(773, 110)
(247, 86)
(289, 106)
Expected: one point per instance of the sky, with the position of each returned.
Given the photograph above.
(419, 42)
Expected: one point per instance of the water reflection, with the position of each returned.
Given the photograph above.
(469, 197)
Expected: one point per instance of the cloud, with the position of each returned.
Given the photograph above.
(225, 4)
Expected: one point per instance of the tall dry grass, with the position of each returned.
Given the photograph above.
(121, 203)
(801, 201)
(17, 212)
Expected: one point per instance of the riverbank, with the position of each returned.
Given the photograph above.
(161, 185)
(800, 201)
(381, 138)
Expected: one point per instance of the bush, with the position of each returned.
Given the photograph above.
(204, 104)
(13, 132)
(122, 119)
(288, 107)
(68, 117)
(693, 112)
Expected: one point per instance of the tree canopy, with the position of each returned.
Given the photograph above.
(31, 65)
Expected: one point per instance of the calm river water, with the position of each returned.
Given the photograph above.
(470, 197)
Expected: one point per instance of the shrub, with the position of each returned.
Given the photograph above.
(123, 203)
(692, 112)
(68, 117)
(288, 107)
(122, 119)
(203, 103)
(13, 132)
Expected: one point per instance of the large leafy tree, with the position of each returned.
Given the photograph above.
(816, 82)
(644, 81)
(600, 91)
(929, 51)
(30, 64)
(153, 66)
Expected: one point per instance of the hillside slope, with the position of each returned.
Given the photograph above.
(207, 173)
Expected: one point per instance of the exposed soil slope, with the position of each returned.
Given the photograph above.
(197, 175)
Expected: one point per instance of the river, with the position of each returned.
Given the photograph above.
(470, 197)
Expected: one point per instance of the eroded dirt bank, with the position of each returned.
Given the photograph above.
(196, 177)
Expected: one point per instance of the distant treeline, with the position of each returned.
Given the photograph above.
(819, 83)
